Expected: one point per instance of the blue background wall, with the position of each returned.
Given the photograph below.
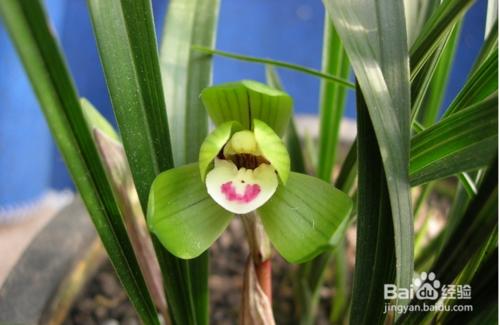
(288, 30)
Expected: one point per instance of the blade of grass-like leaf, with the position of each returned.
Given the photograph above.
(489, 46)
(480, 84)
(44, 63)
(439, 81)
(437, 25)
(185, 73)
(332, 100)
(276, 63)
(422, 81)
(491, 17)
(127, 47)
(467, 238)
(417, 12)
(464, 141)
(375, 254)
(484, 298)
(292, 139)
(380, 61)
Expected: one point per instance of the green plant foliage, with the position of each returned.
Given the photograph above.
(185, 72)
(301, 217)
(461, 142)
(247, 100)
(380, 63)
(96, 120)
(435, 28)
(127, 46)
(44, 63)
(466, 240)
(276, 63)
(481, 83)
(375, 255)
(332, 100)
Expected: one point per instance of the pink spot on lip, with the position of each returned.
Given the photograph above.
(251, 192)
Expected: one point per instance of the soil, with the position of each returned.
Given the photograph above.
(104, 301)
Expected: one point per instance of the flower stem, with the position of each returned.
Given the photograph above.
(257, 292)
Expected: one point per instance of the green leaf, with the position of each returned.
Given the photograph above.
(213, 144)
(272, 148)
(480, 84)
(375, 254)
(247, 100)
(302, 217)
(292, 138)
(461, 142)
(332, 100)
(489, 46)
(33, 37)
(185, 73)
(281, 64)
(96, 120)
(181, 213)
(380, 62)
(436, 27)
(428, 86)
(439, 81)
(468, 237)
(127, 46)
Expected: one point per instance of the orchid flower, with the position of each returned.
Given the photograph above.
(244, 167)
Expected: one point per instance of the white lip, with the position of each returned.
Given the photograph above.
(241, 190)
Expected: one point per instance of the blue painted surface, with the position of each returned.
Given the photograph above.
(25, 140)
(288, 30)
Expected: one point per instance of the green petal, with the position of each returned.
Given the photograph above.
(247, 100)
(213, 143)
(272, 148)
(302, 217)
(181, 213)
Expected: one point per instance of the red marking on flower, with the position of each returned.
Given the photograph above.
(251, 192)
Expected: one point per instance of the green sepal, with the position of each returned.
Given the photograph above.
(213, 144)
(246, 100)
(302, 217)
(181, 213)
(272, 148)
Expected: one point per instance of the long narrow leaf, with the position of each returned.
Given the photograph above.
(127, 47)
(44, 63)
(464, 141)
(467, 238)
(375, 239)
(380, 61)
(292, 138)
(276, 63)
(481, 83)
(434, 29)
(439, 82)
(332, 99)
(185, 73)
